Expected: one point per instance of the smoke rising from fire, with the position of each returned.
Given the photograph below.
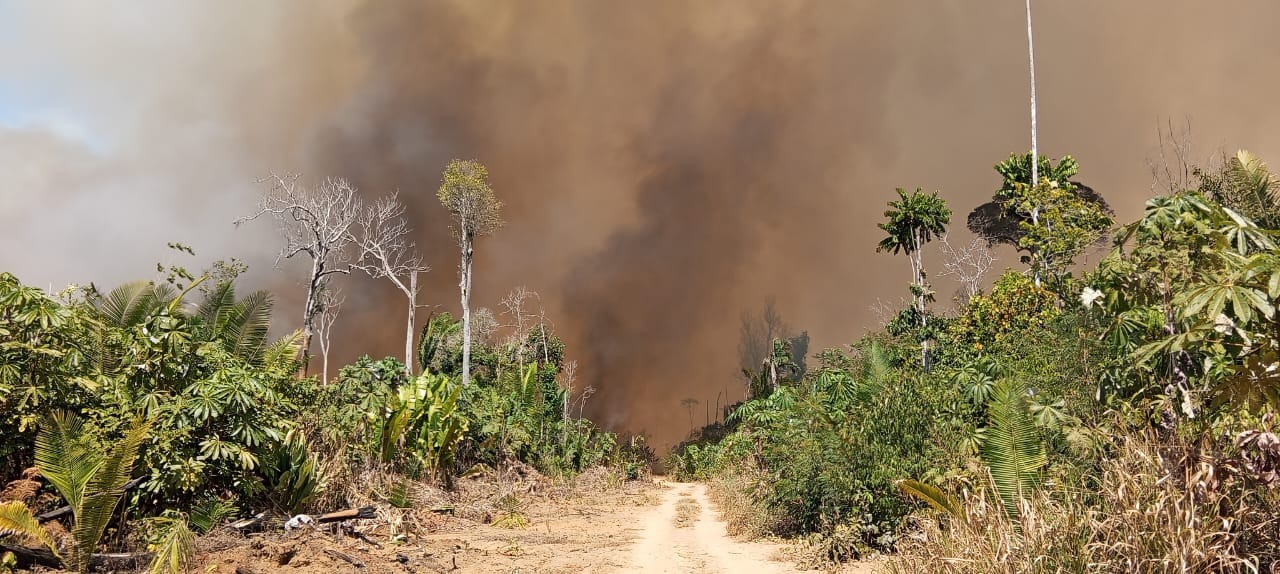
(665, 165)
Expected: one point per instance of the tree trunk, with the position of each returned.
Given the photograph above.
(408, 332)
(308, 314)
(564, 415)
(465, 288)
(918, 265)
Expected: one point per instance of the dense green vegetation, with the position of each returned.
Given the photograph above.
(1113, 419)
(180, 375)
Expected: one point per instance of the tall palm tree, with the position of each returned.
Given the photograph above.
(913, 221)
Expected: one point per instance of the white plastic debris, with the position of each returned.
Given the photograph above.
(298, 522)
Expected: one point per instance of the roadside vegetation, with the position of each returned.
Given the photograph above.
(137, 417)
(1115, 417)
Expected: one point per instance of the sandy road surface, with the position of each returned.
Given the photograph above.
(701, 545)
(645, 527)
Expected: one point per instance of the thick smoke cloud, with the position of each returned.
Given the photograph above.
(666, 165)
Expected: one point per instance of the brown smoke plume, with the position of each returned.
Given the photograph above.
(666, 165)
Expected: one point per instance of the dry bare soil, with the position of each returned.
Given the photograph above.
(646, 526)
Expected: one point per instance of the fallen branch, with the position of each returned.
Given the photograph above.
(344, 556)
(349, 514)
(248, 523)
(66, 510)
(28, 557)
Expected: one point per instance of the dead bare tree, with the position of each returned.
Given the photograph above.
(315, 222)
(329, 302)
(387, 252)
(1173, 169)
(582, 398)
(570, 373)
(967, 264)
(756, 334)
(515, 305)
(483, 326)
(688, 403)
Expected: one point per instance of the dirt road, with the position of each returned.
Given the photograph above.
(639, 527)
(683, 534)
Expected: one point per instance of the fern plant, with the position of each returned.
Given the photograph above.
(90, 480)
(1012, 447)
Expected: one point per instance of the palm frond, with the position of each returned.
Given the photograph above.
(103, 493)
(63, 458)
(877, 369)
(1012, 447)
(244, 333)
(16, 520)
(177, 546)
(131, 303)
(933, 496)
(209, 513)
(214, 308)
(281, 355)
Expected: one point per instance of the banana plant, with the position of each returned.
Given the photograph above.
(422, 417)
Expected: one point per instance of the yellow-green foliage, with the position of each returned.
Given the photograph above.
(1014, 306)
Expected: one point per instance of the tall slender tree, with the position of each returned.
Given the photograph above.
(386, 252)
(476, 211)
(913, 221)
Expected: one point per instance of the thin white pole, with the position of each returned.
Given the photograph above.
(1031, 55)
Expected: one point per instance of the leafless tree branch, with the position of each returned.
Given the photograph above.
(967, 264)
(316, 222)
(382, 236)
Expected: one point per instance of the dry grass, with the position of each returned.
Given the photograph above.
(687, 512)
(1158, 509)
(744, 515)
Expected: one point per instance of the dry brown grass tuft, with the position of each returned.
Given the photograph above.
(687, 512)
(22, 490)
(1159, 508)
(744, 515)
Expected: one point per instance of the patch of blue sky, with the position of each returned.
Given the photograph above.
(33, 96)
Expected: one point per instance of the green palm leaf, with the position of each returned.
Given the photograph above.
(131, 303)
(1012, 448)
(877, 369)
(102, 494)
(280, 355)
(63, 458)
(16, 520)
(933, 496)
(214, 308)
(91, 482)
(244, 333)
(176, 548)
